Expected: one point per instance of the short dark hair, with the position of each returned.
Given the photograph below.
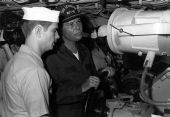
(28, 26)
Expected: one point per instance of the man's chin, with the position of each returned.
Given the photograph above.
(79, 37)
(50, 48)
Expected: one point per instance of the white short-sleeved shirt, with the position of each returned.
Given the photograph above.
(25, 85)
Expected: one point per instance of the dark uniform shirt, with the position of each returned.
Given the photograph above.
(69, 73)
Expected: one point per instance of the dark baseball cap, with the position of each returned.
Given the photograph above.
(68, 11)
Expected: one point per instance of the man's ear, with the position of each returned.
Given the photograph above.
(38, 31)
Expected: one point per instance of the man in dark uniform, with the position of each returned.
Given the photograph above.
(70, 66)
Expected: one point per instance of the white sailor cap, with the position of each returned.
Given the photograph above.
(40, 14)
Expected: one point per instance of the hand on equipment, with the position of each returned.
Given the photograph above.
(93, 81)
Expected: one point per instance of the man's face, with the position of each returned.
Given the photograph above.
(72, 30)
(50, 36)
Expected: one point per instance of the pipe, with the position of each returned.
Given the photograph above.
(145, 97)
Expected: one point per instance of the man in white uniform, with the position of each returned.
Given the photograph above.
(25, 82)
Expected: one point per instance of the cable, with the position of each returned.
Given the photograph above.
(121, 30)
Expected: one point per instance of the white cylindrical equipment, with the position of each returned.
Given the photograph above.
(143, 31)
